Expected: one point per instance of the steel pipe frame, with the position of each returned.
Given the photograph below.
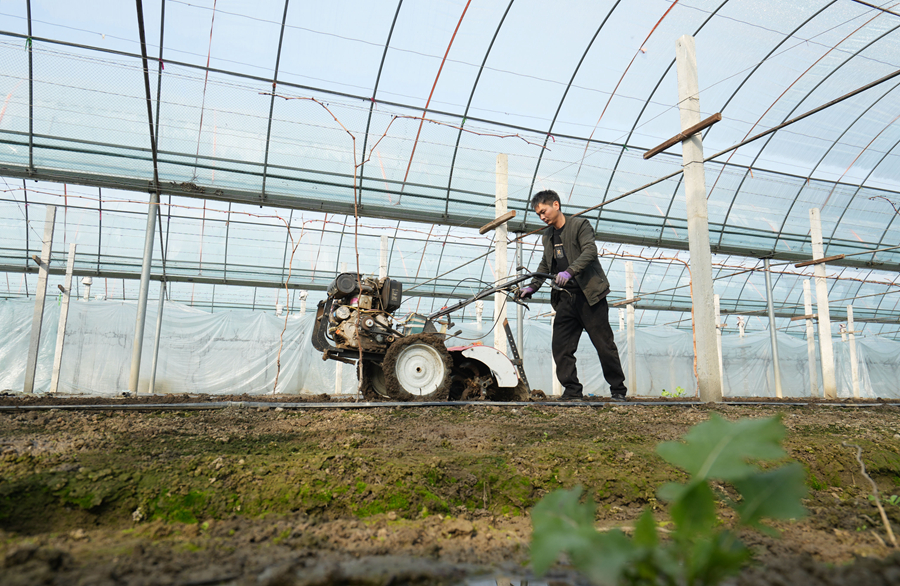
(230, 73)
(562, 101)
(262, 194)
(787, 117)
(641, 114)
(626, 141)
(388, 212)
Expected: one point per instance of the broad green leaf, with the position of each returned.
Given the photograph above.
(645, 531)
(672, 491)
(694, 512)
(719, 448)
(609, 555)
(774, 494)
(560, 523)
(712, 559)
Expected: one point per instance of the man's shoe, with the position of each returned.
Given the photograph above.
(565, 397)
(620, 398)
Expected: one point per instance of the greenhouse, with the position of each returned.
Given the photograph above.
(183, 183)
(449, 292)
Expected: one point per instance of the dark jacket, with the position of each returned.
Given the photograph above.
(581, 250)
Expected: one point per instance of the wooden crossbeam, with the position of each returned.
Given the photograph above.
(818, 261)
(689, 132)
(497, 222)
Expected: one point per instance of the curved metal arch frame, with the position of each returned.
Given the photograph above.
(562, 101)
(772, 136)
(822, 159)
(891, 223)
(641, 114)
(487, 54)
(262, 193)
(387, 45)
(883, 296)
(862, 184)
(728, 101)
(362, 177)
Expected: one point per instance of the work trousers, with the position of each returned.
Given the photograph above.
(574, 314)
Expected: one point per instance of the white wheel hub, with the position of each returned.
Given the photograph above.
(419, 369)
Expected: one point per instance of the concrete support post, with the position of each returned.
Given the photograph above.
(479, 313)
(631, 373)
(557, 389)
(141, 317)
(39, 297)
(383, 261)
(159, 316)
(740, 322)
(826, 353)
(621, 319)
(709, 378)
(500, 268)
(520, 311)
(63, 317)
(810, 341)
(772, 331)
(303, 296)
(843, 330)
(854, 365)
(719, 327)
(87, 282)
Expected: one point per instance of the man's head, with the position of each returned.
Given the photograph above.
(546, 205)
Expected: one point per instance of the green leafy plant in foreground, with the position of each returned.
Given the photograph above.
(699, 550)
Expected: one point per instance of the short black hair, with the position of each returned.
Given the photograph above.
(548, 196)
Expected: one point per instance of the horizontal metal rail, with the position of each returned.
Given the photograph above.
(214, 405)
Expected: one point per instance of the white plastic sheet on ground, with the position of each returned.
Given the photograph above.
(237, 352)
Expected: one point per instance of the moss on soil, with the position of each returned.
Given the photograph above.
(446, 460)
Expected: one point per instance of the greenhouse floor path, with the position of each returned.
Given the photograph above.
(256, 493)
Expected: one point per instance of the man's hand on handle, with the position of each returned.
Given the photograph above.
(524, 293)
(563, 278)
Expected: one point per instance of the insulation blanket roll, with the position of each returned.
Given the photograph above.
(237, 352)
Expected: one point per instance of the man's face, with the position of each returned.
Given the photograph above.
(548, 213)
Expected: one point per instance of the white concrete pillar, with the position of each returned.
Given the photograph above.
(854, 365)
(740, 322)
(500, 268)
(557, 388)
(773, 332)
(621, 319)
(303, 296)
(63, 317)
(843, 331)
(479, 313)
(39, 297)
(826, 353)
(383, 261)
(631, 373)
(719, 337)
(709, 379)
(810, 341)
(87, 282)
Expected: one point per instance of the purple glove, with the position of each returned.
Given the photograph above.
(525, 293)
(563, 278)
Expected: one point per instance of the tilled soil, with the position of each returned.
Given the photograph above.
(416, 495)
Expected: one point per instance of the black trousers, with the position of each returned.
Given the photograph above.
(574, 314)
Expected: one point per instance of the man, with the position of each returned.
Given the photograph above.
(570, 252)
